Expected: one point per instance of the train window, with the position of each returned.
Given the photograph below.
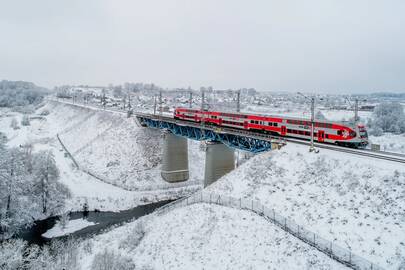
(339, 132)
(326, 136)
(275, 124)
(288, 130)
(307, 133)
(270, 124)
(252, 122)
(256, 122)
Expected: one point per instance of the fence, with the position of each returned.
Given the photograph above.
(327, 247)
(67, 151)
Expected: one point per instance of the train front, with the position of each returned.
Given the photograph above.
(362, 135)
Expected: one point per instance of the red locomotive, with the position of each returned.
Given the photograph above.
(340, 133)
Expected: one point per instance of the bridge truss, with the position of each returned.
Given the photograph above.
(209, 133)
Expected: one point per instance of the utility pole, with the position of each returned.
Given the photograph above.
(312, 99)
(160, 103)
(312, 148)
(238, 101)
(154, 105)
(202, 100)
(190, 100)
(356, 111)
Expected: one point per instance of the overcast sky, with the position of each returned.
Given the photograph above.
(311, 45)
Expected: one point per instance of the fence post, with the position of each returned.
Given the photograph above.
(252, 205)
(331, 248)
(210, 198)
(274, 215)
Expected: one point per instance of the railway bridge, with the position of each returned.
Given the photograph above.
(220, 146)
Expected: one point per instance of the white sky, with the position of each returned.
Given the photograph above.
(284, 45)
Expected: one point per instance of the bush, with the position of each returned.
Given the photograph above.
(108, 260)
(25, 121)
(12, 254)
(135, 237)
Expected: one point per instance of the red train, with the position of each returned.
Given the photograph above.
(339, 133)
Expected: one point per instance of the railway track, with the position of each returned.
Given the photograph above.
(390, 156)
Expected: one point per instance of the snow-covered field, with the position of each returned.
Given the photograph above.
(358, 203)
(204, 236)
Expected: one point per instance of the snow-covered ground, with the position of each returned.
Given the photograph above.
(101, 195)
(70, 227)
(356, 202)
(204, 236)
(115, 147)
(390, 142)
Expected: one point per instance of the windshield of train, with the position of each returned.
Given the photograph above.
(363, 132)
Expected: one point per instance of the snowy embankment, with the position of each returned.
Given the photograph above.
(358, 203)
(85, 189)
(113, 147)
(204, 236)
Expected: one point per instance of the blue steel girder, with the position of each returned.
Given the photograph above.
(200, 134)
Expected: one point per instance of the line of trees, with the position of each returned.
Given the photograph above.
(29, 187)
(20, 93)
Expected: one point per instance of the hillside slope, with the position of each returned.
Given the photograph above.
(115, 147)
(205, 236)
(358, 203)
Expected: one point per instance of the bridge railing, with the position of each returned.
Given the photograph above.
(331, 249)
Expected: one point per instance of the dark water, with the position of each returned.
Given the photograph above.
(104, 220)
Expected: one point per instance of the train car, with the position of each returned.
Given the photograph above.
(339, 133)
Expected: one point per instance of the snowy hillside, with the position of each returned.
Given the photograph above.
(358, 203)
(114, 147)
(66, 120)
(205, 236)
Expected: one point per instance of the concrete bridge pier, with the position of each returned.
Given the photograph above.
(175, 158)
(219, 160)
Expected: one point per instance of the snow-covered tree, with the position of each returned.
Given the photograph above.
(387, 117)
(46, 175)
(29, 188)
